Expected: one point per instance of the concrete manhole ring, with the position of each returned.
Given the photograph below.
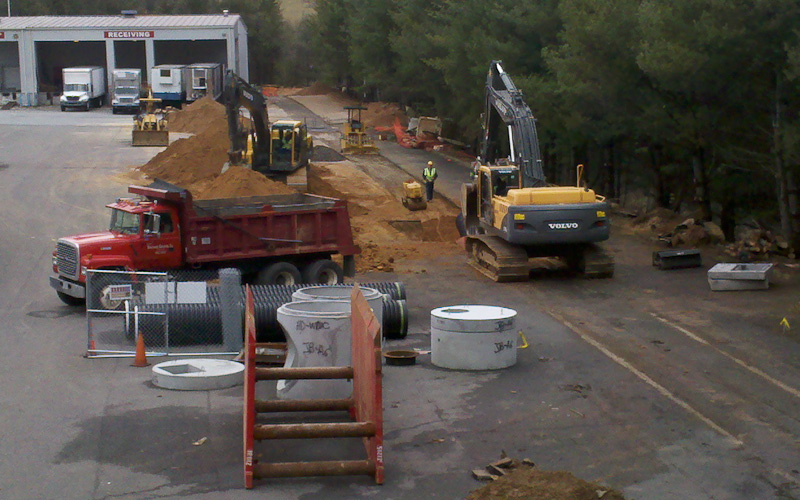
(198, 374)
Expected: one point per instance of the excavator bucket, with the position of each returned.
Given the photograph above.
(150, 138)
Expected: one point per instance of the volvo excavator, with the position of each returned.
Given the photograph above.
(276, 151)
(510, 213)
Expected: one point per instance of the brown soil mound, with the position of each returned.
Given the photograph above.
(191, 160)
(198, 116)
(316, 89)
(240, 181)
(391, 238)
(383, 114)
(533, 484)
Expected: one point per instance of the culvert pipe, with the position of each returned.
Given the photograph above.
(197, 324)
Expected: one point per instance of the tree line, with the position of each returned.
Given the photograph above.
(692, 104)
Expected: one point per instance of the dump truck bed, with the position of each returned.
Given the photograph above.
(244, 228)
(232, 229)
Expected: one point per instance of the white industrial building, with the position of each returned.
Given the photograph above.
(34, 50)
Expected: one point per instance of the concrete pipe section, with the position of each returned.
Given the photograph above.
(473, 337)
(198, 374)
(318, 333)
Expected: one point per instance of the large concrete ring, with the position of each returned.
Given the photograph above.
(198, 374)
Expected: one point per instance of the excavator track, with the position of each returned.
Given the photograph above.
(497, 259)
(593, 262)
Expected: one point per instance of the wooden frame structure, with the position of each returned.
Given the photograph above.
(365, 405)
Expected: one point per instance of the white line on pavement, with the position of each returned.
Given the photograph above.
(752, 369)
(649, 381)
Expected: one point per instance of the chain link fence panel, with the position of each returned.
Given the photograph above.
(175, 313)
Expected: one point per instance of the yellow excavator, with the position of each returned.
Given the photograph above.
(510, 214)
(282, 150)
(150, 127)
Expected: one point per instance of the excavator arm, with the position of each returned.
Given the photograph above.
(509, 129)
(237, 94)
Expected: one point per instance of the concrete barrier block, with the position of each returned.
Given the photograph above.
(733, 271)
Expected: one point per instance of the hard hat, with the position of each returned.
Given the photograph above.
(430, 163)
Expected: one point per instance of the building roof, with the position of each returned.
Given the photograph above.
(118, 22)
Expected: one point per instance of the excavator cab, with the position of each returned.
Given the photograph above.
(291, 145)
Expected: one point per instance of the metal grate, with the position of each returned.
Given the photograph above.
(67, 260)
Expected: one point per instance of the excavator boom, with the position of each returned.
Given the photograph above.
(509, 128)
(237, 94)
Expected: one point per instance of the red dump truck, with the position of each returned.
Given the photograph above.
(281, 239)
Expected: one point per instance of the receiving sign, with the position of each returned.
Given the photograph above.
(129, 34)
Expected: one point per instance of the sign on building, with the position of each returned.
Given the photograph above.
(130, 34)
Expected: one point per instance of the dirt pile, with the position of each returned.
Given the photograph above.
(196, 162)
(188, 161)
(530, 483)
(391, 238)
(316, 89)
(239, 181)
(383, 114)
(198, 116)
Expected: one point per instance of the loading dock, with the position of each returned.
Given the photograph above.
(34, 50)
(9, 68)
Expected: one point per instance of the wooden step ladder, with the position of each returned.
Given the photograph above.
(365, 405)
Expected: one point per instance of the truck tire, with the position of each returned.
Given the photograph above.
(70, 300)
(100, 290)
(279, 273)
(323, 272)
(63, 108)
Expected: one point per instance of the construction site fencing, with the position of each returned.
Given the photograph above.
(171, 311)
(196, 312)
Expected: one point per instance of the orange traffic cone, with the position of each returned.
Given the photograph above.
(140, 361)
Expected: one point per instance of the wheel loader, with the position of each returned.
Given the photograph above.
(150, 128)
(510, 214)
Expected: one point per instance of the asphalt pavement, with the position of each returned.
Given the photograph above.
(648, 383)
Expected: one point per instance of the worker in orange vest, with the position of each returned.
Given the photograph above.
(429, 175)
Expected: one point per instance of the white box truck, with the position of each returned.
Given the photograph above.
(84, 87)
(126, 90)
(204, 79)
(167, 82)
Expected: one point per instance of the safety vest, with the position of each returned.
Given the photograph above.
(429, 174)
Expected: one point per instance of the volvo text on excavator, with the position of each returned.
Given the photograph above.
(275, 151)
(511, 214)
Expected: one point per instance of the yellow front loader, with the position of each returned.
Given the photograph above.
(150, 127)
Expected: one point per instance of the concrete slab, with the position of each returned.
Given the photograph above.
(198, 374)
(734, 271)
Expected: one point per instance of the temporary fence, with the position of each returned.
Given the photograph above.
(169, 310)
(365, 405)
(195, 312)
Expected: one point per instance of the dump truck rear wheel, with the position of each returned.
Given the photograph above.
(323, 272)
(279, 273)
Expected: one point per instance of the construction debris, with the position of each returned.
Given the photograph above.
(521, 479)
